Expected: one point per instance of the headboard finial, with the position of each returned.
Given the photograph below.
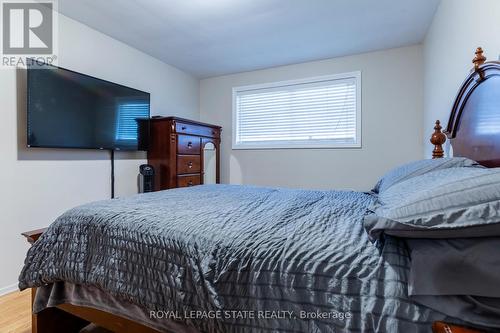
(438, 139)
(479, 59)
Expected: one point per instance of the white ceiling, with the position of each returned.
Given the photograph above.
(215, 37)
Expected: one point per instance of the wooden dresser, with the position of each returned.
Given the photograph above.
(176, 151)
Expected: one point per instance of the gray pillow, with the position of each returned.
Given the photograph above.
(448, 203)
(418, 168)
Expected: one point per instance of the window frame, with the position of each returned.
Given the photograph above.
(356, 75)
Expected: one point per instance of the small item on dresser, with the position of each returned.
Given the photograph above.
(441, 327)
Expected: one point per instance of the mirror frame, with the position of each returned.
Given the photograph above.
(216, 143)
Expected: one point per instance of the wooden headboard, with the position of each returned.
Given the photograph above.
(474, 125)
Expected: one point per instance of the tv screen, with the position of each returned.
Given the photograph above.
(72, 110)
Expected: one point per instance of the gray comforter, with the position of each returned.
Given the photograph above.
(282, 260)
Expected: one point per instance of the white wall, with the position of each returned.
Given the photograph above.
(37, 185)
(392, 103)
(459, 26)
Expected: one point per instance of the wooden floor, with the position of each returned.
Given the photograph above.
(15, 312)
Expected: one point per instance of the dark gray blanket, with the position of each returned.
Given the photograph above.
(302, 256)
(461, 276)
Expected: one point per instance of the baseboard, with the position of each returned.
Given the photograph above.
(8, 289)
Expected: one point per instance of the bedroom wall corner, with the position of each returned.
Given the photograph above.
(37, 185)
(458, 28)
(392, 104)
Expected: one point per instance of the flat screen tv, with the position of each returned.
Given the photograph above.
(72, 110)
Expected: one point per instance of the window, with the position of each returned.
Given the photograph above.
(127, 123)
(323, 112)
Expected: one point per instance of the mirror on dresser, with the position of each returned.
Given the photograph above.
(209, 153)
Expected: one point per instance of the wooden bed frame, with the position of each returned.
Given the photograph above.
(473, 130)
(474, 124)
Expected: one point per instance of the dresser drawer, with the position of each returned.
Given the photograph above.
(185, 128)
(188, 145)
(188, 164)
(187, 181)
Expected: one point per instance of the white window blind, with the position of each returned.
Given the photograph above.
(312, 113)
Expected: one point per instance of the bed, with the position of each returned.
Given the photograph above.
(252, 260)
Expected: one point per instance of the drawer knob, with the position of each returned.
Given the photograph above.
(190, 183)
(190, 145)
(190, 164)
